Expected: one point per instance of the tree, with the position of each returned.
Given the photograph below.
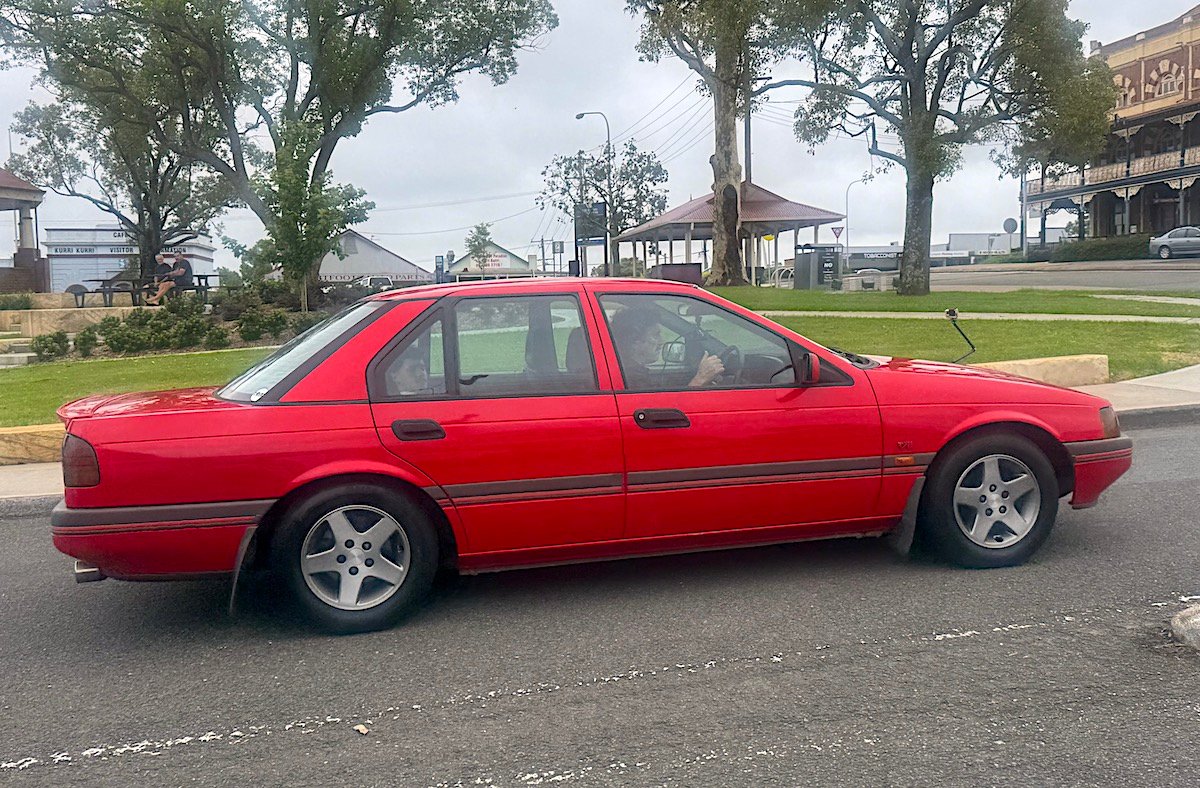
(210, 78)
(638, 185)
(941, 76)
(728, 43)
(477, 242)
(94, 153)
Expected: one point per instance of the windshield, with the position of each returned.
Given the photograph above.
(253, 385)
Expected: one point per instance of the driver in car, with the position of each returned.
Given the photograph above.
(638, 336)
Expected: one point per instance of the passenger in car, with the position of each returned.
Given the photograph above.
(637, 333)
(411, 376)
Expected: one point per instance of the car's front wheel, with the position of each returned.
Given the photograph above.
(989, 502)
(357, 558)
(1164, 252)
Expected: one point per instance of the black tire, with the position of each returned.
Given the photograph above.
(938, 527)
(1164, 252)
(306, 525)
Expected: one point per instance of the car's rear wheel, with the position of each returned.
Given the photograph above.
(989, 502)
(1164, 252)
(357, 558)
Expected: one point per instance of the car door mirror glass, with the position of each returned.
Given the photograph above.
(674, 353)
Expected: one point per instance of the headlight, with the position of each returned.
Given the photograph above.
(1110, 423)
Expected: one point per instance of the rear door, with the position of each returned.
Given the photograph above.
(500, 401)
(751, 449)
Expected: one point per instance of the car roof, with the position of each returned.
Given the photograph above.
(530, 285)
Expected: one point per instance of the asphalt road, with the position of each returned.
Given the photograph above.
(1182, 276)
(824, 663)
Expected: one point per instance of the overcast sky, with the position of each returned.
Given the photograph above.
(434, 172)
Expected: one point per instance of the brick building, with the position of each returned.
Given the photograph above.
(1145, 180)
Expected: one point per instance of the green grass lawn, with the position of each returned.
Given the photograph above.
(1057, 302)
(30, 395)
(1133, 349)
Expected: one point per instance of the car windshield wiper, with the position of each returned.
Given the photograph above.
(853, 358)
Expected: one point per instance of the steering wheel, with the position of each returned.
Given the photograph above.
(731, 357)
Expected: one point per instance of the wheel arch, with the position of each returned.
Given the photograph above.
(269, 523)
(1047, 443)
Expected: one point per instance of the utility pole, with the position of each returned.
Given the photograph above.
(543, 241)
(609, 257)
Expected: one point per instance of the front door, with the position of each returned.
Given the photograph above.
(498, 399)
(719, 436)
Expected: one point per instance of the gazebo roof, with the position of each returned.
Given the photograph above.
(16, 193)
(765, 211)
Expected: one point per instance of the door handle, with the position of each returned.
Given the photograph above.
(417, 430)
(661, 419)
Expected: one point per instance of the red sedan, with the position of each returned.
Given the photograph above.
(496, 425)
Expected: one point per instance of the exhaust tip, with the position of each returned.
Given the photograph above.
(86, 573)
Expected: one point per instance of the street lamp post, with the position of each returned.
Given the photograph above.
(608, 151)
(847, 262)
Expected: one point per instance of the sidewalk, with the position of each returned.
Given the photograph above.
(35, 488)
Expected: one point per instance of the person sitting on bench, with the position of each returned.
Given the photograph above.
(179, 277)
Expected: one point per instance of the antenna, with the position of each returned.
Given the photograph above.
(952, 316)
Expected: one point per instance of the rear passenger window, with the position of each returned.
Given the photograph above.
(522, 345)
(417, 368)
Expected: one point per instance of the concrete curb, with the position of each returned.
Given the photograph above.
(1149, 418)
(1186, 627)
(28, 506)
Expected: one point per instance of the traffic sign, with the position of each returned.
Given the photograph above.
(837, 232)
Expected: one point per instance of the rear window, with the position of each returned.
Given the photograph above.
(254, 384)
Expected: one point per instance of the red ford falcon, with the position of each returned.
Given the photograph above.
(497, 425)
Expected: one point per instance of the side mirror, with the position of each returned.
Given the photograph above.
(674, 352)
(810, 369)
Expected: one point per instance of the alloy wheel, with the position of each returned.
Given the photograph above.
(355, 557)
(997, 501)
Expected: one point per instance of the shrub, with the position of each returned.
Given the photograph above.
(1121, 247)
(108, 324)
(250, 326)
(184, 305)
(216, 338)
(86, 341)
(302, 321)
(280, 294)
(16, 301)
(50, 346)
(128, 338)
(343, 294)
(139, 317)
(275, 322)
(188, 332)
(230, 304)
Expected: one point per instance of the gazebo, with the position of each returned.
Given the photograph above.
(763, 213)
(29, 269)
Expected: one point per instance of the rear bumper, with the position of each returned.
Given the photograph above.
(1097, 465)
(156, 542)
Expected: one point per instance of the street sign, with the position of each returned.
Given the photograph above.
(837, 232)
(590, 220)
(1010, 226)
(557, 247)
(591, 241)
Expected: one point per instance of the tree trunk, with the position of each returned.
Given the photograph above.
(918, 228)
(727, 182)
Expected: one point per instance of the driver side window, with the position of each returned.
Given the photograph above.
(668, 342)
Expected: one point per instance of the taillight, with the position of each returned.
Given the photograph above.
(1110, 423)
(80, 467)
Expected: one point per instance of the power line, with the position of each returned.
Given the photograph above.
(662, 124)
(687, 128)
(468, 227)
(695, 141)
(455, 202)
(621, 134)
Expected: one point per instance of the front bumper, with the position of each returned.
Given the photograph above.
(1097, 465)
(156, 542)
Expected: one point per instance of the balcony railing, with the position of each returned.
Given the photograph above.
(1096, 176)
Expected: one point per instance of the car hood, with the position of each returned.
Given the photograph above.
(143, 402)
(906, 381)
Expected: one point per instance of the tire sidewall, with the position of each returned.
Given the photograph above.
(940, 530)
(1164, 252)
(423, 559)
